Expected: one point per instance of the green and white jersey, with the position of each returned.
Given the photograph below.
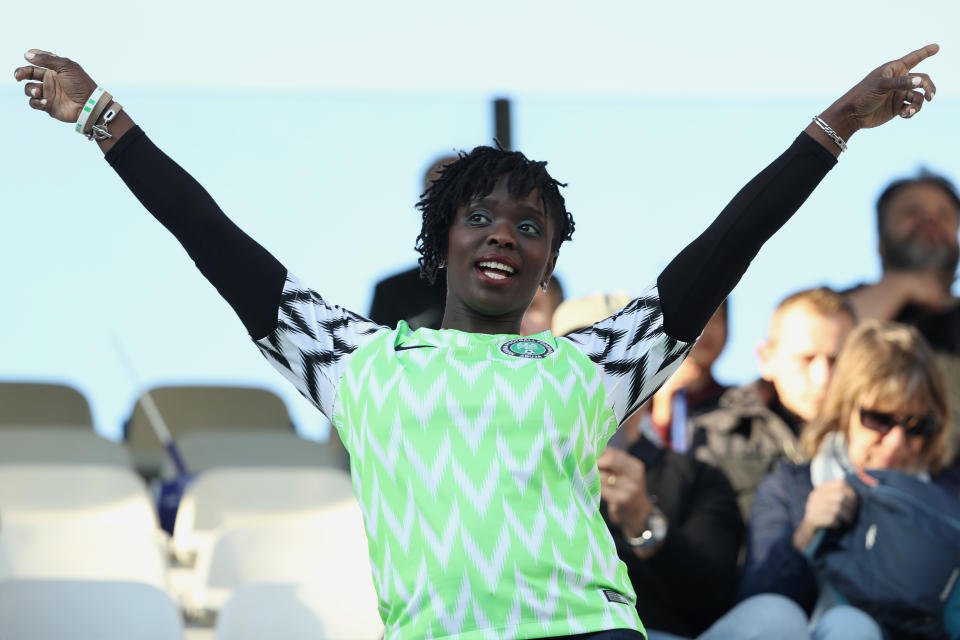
(474, 459)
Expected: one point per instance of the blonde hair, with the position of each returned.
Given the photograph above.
(892, 361)
(822, 301)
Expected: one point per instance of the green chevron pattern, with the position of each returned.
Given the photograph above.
(475, 465)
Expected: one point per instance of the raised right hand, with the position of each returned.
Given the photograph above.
(60, 86)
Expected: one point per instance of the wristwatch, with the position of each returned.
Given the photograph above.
(655, 532)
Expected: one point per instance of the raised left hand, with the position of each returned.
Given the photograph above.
(889, 90)
(623, 485)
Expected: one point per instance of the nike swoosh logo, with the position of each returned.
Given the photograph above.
(401, 347)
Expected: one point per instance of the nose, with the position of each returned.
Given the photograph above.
(819, 372)
(896, 443)
(502, 235)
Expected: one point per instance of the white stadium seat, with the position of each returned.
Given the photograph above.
(315, 611)
(87, 610)
(227, 496)
(85, 552)
(77, 494)
(330, 546)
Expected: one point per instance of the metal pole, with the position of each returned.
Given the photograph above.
(501, 122)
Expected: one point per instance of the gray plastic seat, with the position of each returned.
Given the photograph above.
(205, 450)
(192, 408)
(28, 404)
(60, 445)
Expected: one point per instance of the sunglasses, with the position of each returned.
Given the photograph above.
(914, 426)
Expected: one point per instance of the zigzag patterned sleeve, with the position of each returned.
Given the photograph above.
(632, 350)
(313, 341)
(695, 283)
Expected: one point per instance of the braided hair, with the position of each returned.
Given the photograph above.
(473, 175)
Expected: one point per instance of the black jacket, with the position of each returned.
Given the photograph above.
(691, 580)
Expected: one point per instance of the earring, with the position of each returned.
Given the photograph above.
(543, 286)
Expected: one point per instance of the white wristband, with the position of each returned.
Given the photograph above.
(88, 108)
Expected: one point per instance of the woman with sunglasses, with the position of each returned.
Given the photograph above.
(885, 408)
(473, 450)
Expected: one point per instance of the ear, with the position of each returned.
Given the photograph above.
(765, 356)
(550, 266)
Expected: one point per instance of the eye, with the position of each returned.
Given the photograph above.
(530, 229)
(478, 217)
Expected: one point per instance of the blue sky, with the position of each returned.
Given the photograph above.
(311, 125)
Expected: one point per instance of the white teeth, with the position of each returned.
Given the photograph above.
(498, 265)
(494, 275)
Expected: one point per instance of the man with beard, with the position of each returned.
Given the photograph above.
(917, 224)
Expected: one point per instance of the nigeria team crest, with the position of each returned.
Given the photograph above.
(527, 348)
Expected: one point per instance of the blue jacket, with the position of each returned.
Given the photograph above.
(773, 564)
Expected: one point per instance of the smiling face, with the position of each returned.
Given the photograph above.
(499, 250)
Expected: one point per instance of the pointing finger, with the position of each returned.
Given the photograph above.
(914, 58)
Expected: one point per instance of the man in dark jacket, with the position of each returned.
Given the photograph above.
(677, 528)
(406, 295)
(759, 423)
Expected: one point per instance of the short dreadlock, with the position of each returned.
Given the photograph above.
(474, 175)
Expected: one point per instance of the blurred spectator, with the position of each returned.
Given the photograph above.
(886, 408)
(539, 315)
(407, 296)
(760, 423)
(917, 223)
(674, 519)
(692, 390)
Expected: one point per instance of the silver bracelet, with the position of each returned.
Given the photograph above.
(99, 131)
(827, 129)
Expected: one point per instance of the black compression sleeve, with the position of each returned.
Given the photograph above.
(244, 273)
(695, 283)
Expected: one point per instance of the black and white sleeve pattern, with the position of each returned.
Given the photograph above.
(633, 352)
(313, 341)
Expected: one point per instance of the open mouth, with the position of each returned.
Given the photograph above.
(496, 270)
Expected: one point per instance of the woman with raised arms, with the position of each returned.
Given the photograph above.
(474, 450)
